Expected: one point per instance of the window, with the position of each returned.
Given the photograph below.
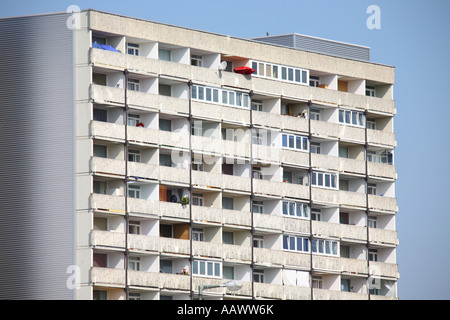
(133, 120)
(134, 155)
(207, 268)
(343, 217)
(197, 165)
(324, 179)
(295, 243)
(343, 152)
(290, 74)
(99, 187)
(100, 295)
(197, 199)
(228, 273)
(221, 96)
(133, 84)
(197, 234)
(134, 191)
(165, 266)
(196, 60)
(317, 282)
(370, 91)
(313, 81)
(134, 263)
(295, 209)
(372, 222)
(100, 115)
(326, 247)
(258, 275)
(227, 237)
(372, 188)
(316, 214)
(165, 125)
(384, 156)
(294, 142)
(315, 114)
(257, 105)
(258, 207)
(165, 160)
(100, 151)
(227, 203)
(371, 124)
(164, 54)
(287, 176)
(165, 90)
(258, 241)
(134, 227)
(355, 118)
(315, 147)
(373, 255)
(133, 49)
(196, 128)
(256, 173)
(134, 296)
(257, 137)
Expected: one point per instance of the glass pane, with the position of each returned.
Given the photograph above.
(261, 69)
(216, 95)
(292, 243)
(314, 246)
(327, 247)
(327, 180)
(291, 141)
(305, 244)
(285, 242)
(208, 94)
(238, 99)
(298, 142)
(305, 144)
(255, 67)
(291, 74)
(217, 269)
(304, 77)
(299, 244)
(275, 72)
(284, 138)
(210, 268)
(245, 99)
(224, 97)
(195, 267)
(313, 182)
(285, 208)
(283, 73)
(194, 92)
(231, 101)
(202, 267)
(297, 75)
(320, 179)
(268, 70)
(291, 208)
(347, 117)
(334, 248)
(201, 93)
(299, 209)
(354, 119)
(341, 116)
(320, 246)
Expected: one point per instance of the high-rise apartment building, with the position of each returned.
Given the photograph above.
(147, 161)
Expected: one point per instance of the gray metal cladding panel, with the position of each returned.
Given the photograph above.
(36, 157)
(286, 40)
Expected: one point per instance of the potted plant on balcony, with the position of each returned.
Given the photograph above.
(184, 201)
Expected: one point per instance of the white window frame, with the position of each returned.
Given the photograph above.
(133, 49)
(372, 222)
(315, 114)
(295, 240)
(165, 50)
(198, 234)
(315, 147)
(325, 247)
(371, 91)
(259, 241)
(258, 275)
(352, 117)
(317, 282)
(197, 265)
(134, 296)
(134, 155)
(196, 60)
(371, 124)
(220, 96)
(256, 173)
(316, 214)
(314, 81)
(297, 206)
(259, 205)
(372, 188)
(295, 142)
(133, 119)
(134, 191)
(373, 255)
(134, 263)
(133, 84)
(292, 74)
(134, 227)
(257, 105)
(315, 179)
(197, 199)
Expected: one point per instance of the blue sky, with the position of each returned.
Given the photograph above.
(414, 37)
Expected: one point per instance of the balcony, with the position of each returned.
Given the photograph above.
(326, 196)
(321, 161)
(352, 166)
(207, 214)
(383, 236)
(324, 129)
(236, 217)
(171, 174)
(108, 277)
(295, 225)
(284, 292)
(109, 131)
(108, 167)
(173, 210)
(236, 183)
(266, 153)
(294, 157)
(266, 256)
(174, 246)
(207, 179)
(103, 202)
(206, 144)
(352, 199)
(381, 138)
(384, 269)
(351, 133)
(381, 170)
(382, 203)
(340, 231)
(337, 264)
(107, 239)
(235, 149)
(324, 294)
(268, 221)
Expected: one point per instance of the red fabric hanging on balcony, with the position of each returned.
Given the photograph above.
(244, 70)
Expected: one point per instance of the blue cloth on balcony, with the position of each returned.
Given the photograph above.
(96, 45)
